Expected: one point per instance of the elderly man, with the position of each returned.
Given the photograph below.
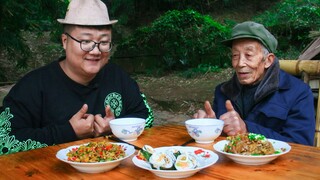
(76, 96)
(261, 98)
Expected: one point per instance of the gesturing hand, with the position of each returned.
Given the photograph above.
(101, 125)
(233, 124)
(82, 123)
(208, 113)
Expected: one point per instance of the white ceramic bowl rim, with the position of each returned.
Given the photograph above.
(127, 121)
(204, 122)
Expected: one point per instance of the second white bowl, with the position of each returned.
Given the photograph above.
(204, 130)
(127, 129)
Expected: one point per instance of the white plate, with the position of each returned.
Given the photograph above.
(254, 160)
(213, 158)
(97, 167)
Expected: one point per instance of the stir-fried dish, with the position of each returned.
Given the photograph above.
(96, 152)
(249, 144)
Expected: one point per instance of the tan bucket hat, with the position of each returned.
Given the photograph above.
(87, 13)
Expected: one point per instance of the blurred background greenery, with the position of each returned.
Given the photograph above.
(156, 36)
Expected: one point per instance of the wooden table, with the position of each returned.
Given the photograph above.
(302, 162)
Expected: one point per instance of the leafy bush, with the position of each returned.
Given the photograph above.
(291, 21)
(17, 17)
(180, 39)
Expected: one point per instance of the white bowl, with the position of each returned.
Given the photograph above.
(279, 146)
(96, 167)
(204, 130)
(207, 161)
(127, 129)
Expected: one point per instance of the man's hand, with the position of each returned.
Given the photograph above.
(101, 125)
(208, 113)
(82, 123)
(233, 124)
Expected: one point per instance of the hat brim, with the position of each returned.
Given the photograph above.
(228, 42)
(63, 21)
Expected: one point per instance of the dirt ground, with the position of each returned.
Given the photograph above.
(172, 98)
(175, 99)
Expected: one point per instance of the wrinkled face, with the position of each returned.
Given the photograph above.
(81, 65)
(248, 61)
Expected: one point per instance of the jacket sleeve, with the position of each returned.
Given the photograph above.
(293, 122)
(282, 117)
(219, 102)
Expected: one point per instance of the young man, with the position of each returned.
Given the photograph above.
(75, 97)
(261, 98)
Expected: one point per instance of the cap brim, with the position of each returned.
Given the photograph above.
(63, 21)
(228, 42)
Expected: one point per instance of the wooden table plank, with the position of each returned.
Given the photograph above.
(302, 162)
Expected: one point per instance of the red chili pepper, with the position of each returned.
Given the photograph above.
(207, 155)
(199, 151)
(139, 157)
(109, 147)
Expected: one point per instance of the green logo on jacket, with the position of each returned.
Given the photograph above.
(114, 100)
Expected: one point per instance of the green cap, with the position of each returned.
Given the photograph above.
(253, 30)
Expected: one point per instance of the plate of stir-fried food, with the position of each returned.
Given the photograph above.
(95, 157)
(251, 148)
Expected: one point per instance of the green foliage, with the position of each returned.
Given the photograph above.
(121, 9)
(136, 12)
(18, 16)
(179, 38)
(291, 21)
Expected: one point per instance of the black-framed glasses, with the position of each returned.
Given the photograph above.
(87, 45)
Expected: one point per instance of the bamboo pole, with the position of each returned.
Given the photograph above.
(296, 67)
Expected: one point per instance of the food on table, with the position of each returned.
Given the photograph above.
(249, 144)
(145, 153)
(161, 160)
(186, 161)
(96, 152)
(172, 158)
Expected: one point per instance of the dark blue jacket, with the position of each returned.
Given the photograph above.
(283, 110)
